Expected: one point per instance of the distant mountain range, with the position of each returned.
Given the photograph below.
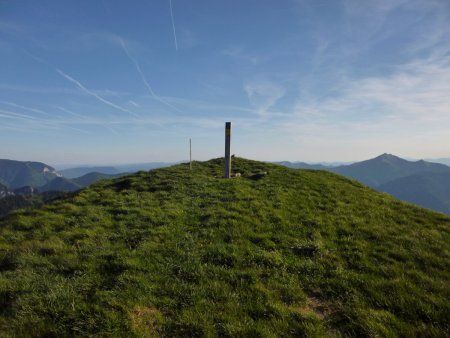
(16, 174)
(30, 184)
(43, 178)
(385, 168)
(112, 170)
(66, 184)
(420, 182)
(27, 184)
(80, 171)
(445, 161)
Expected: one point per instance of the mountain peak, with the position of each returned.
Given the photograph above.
(387, 156)
(386, 167)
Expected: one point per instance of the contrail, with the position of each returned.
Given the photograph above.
(138, 68)
(79, 130)
(134, 104)
(23, 117)
(79, 85)
(111, 129)
(14, 128)
(12, 104)
(12, 115)
(71, 112)
(98, 97)
(173, 26)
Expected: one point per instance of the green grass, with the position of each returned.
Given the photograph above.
(174, 252)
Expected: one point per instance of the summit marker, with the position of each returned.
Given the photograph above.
(227, 149)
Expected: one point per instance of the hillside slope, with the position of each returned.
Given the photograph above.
(60, 184)
(430, 190)
(303, 165)
(66, 185)
(81, 171)
(93, 177)
(14, 202)
(174, 252)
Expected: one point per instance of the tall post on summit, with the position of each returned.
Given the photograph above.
(190, 154)
(227, 149)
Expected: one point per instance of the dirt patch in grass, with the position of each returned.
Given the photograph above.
(146, 321)
(313, 306)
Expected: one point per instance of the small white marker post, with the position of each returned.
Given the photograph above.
(190, 154)
(227, 149)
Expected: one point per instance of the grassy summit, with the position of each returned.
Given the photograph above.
(174, 252)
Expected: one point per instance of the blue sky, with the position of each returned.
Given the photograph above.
(103, 81)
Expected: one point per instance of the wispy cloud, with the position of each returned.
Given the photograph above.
(112, 130)
(134, 103)
(240, 53)
(80, 85)
(58, 90)
(83, 131)
(34, 110)
(13, 115)
(263, 95)
(93, 94)
(70, 112)
(410, 100)
(143, 78)
(173, 25)
(38, 90)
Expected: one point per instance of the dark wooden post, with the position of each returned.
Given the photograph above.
(227, 149)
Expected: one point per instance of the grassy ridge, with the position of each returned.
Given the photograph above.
(179, 253)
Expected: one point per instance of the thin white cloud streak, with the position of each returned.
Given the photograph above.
(134, 104)
(57, 90)
(35, 122)
(198, 105)
(111, 129)
(239, 53)
(93, 94)
(13, 115)
(79, 130)
(12, 104)
(263, 95)
(71, 112)
(171, 122)
(13, 128)
(79, 85)
(173, 25)
(144, 80)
